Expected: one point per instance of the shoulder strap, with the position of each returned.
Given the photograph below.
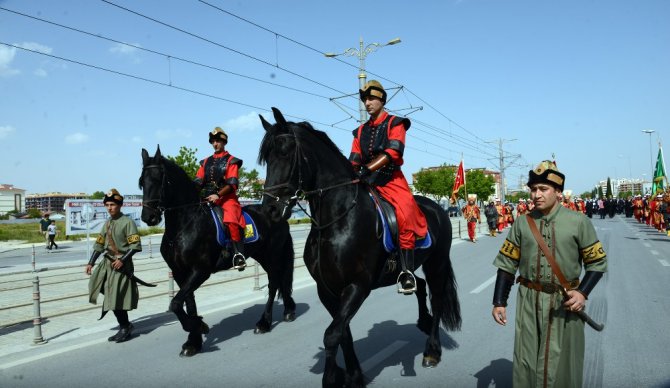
(547, 253)
(110, 243)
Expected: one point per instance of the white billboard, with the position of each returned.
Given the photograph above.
(89, 215)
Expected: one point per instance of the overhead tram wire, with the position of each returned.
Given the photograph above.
(171, 56)
(223, 46)
(344, 62)
(183, 89)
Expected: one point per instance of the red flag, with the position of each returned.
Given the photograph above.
(460, 180)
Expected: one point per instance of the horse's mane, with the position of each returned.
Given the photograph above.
(299, 130)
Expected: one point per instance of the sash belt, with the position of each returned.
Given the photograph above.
(545, 287)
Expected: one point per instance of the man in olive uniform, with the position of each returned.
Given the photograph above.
(119, 241)
(549, 338)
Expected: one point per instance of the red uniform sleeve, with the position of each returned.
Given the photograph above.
(200, 174)
(233, 172)
(397, 133)
(356, 156)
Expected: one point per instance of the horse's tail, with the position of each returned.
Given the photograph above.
(451, 307)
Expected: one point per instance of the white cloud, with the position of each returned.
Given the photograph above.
(5, 131)
(249, 122)
(40, 73)
(165, 134)
(123, 49)
(76, 138)
(7, 55)
(36, 47)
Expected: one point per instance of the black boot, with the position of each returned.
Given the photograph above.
(124, 333)
(239, 261)
(125, 327)
(406, 280)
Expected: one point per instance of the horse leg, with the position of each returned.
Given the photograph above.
(264, 324)
(191, 323)
(192, 311)
(425, 319)
(338, 334)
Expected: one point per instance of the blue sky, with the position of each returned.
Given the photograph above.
(578, 79)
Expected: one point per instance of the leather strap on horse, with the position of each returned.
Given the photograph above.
(557, 271)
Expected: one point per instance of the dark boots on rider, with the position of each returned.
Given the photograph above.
(239, 262)
(406, 280)
(125, 327)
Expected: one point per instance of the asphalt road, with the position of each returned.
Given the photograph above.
(632, 300)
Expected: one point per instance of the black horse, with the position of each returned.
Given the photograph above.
(190, 249)
(343, 252)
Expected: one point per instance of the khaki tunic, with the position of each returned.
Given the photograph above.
(549, 341)
(120, 291)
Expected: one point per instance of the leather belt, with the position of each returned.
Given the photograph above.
(546, 287)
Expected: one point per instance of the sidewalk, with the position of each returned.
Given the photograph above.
(80, 328)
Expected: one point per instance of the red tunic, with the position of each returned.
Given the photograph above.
(411, 221)
(232, 211)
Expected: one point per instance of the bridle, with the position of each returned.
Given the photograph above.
(302, 194)
(158, 201)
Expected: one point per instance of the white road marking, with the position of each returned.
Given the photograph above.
(664, 263)
(382, 355)
(484, 285)
(653, 252)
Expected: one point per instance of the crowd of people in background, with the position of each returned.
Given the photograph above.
(646, 209)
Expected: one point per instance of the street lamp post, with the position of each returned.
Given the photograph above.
(651, 156)
(361, 53)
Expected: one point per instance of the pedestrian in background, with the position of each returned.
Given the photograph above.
(52, 232)
(119, 241)
(44, 224)
(472, 216)
(491, 218)
(549, 338)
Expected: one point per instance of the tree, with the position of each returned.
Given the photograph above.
(437, 182)
(608, 190)
(587, 194)
(34, 213)
(250, 185)
(186, 160)
(480, 184)
(600, 192)
(97, 195)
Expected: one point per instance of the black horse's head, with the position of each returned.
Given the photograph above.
(152, 184)
(279, 151)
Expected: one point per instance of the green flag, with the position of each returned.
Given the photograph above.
(659, 174)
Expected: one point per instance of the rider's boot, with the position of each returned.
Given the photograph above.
(406, 280)
(239, 262)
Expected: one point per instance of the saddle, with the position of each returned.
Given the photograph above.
(250, 230)
(389, 224)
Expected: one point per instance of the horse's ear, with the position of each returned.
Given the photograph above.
(158, 152)
(279, 117)
(145, 156)
(266, 125)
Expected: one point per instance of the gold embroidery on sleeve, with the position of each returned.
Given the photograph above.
(593, 253)
(510, 250)
(100, 240)
(133, 238)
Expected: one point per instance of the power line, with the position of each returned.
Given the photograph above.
(171, 56)
(222, 46)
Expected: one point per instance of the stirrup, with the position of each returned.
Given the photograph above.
(401, 289)
(242, 264)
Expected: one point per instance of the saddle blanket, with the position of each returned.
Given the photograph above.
(387, 239)
(250, 231)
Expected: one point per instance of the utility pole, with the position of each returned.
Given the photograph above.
(503, 165)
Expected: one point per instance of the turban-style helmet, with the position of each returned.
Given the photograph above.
(546, 172)
(373, 88)
(218, 133)
(113, 196)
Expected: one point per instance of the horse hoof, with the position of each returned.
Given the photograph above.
(289, 317)
(430, 362)
(204, 328)
(188, 352)
(261, 330)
